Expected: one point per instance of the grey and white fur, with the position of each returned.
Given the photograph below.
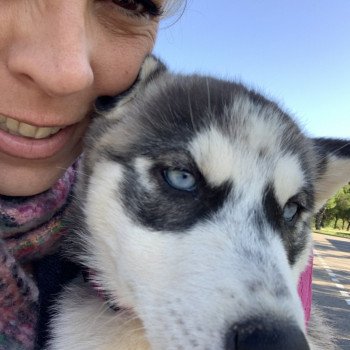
(192, 214)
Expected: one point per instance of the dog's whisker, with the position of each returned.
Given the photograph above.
(96, 320)
(131, 332)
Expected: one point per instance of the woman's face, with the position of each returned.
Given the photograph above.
(56, 57)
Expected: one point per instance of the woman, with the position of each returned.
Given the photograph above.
(56, 58)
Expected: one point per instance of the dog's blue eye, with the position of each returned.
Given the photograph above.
(180, 179)
(290, 211)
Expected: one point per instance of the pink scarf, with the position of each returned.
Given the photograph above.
(305, 290)
(30, 227)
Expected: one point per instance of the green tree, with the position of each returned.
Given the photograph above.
(342, 207)
(337, 208)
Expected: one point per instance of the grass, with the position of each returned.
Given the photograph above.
(333, 232)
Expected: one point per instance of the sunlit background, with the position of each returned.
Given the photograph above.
(295, 51)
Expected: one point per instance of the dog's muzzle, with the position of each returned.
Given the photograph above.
(261, 335)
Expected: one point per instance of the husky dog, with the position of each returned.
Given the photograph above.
(192, 219)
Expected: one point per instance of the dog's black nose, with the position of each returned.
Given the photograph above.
(260, 335)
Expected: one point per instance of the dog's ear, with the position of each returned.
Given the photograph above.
(151, 68)
(333, 168)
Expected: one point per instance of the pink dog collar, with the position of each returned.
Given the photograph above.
(305, 289)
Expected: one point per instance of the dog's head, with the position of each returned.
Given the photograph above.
(196, 196)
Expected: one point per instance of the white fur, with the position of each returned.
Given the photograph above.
(214, 156)
(91, 325)
(142, 167)
(289, 178)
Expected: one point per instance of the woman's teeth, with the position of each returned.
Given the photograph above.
(15, 127)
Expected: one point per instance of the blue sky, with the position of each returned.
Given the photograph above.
(295, 51)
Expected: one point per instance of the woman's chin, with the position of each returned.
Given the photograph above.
(30, 178)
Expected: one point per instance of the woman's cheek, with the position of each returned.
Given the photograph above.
(118, 56)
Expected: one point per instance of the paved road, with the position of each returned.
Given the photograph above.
(331, 284)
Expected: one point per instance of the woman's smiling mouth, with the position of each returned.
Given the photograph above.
(22, 140)
(14, 127)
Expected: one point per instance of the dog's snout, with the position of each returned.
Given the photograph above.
(260, 335)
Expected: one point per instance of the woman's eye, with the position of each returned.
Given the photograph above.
(180, 179)
(139, 7)
(290, 211)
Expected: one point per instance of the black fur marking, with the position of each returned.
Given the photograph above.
(272, 209)
(169, 209)
(298, 244)
(294, 242)
(105, 103)
(114, 157)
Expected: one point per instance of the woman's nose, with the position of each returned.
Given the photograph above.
(53, 54)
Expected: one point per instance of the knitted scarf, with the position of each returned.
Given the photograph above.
(30, 227)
